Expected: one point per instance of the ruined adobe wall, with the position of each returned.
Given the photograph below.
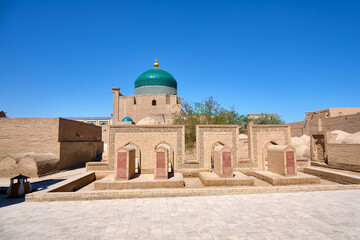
(311, 126)
(344, 156)
(297, 129)
(79, 143)
(21, 135)
(349, 123)
(343, 111)
(70, 130)
(74, 154)
(51, 144)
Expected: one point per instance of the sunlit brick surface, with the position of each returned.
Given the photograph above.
(302, 215)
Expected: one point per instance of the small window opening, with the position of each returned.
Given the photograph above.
(153, 102)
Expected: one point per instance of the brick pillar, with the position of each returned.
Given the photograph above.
(116, 93)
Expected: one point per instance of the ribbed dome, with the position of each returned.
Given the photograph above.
(155, 81)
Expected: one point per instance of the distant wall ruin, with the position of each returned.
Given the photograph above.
(67, 143)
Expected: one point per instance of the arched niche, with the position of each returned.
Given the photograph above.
(264, 153)
(213, 146)
(320, 149)
(137, 155)
(170, 154)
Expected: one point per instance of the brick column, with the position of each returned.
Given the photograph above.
(116, 93)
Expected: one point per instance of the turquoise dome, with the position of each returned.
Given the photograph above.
(126, 119)
(155, 81)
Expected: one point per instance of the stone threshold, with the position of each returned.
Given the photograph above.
(183, 192)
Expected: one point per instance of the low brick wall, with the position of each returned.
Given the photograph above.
(302, 163)
(344, 156)
(72, 184)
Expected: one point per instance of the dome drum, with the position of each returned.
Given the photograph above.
(155, 90)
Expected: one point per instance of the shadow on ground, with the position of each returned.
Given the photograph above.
(44, 184)
(37, 186)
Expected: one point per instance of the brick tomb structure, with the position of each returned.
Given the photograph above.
(160, 161)
(141, 157)
(281, 160)
(222, 173)
(282, 167)
(222, 161)
(125, 163)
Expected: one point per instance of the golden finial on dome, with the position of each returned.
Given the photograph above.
(156, 63)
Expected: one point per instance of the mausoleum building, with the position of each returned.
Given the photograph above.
(154, 102)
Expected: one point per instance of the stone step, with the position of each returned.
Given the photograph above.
(178, 192)
(333, 175)
(140, 181)
(239, 179)
(319, 164)
(277, 179)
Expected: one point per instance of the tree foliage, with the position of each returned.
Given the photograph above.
(266, 118)
(208, 112)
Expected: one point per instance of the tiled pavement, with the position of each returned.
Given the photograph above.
(300, 215)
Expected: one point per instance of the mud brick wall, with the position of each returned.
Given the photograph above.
(344, 156)
(21, 135)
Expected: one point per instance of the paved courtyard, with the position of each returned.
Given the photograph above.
(301, 215)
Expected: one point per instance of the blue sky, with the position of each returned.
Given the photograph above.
(61, 58)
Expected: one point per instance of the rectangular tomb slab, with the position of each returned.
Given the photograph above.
(223, 162)
(239, 179)
(227, 170)
(277, 179)
(139, 181)
(161, 166)
(121, 169)
(290, 163)
(125, 163)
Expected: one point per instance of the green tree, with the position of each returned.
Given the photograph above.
(266, 118)
(208, 112)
